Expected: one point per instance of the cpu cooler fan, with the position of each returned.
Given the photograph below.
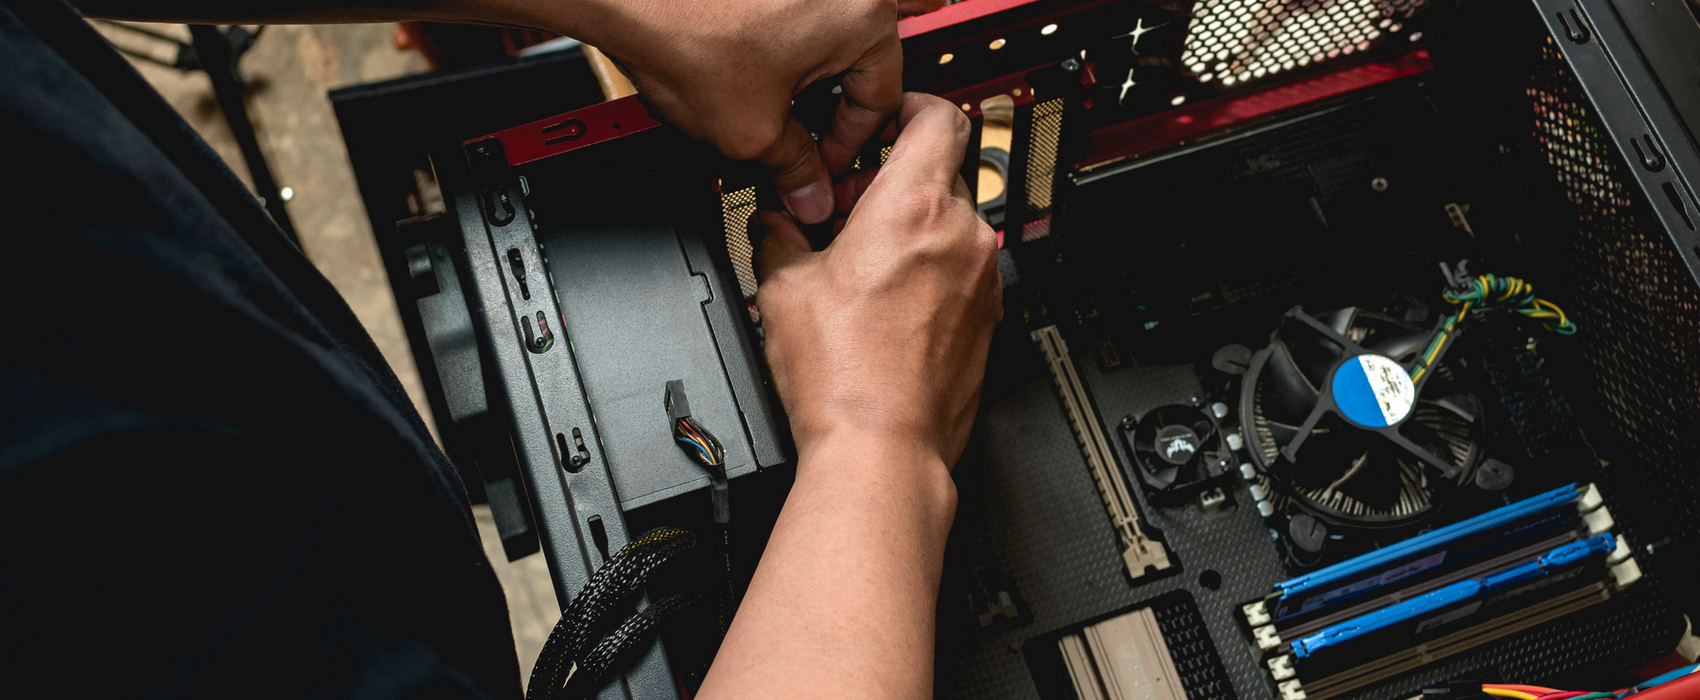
(1177, 446)
(1342, 430)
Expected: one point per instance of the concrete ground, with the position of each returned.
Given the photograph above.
(290, 70)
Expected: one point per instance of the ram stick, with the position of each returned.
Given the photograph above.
(1431, 555)
(1367, 638)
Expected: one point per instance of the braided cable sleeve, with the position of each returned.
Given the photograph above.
(618, 579)
(624, 643)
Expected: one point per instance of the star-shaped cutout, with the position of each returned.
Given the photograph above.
(1139, 30)
(1126, 85)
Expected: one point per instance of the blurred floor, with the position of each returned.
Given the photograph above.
(290, 69)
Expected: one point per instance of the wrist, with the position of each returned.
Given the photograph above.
(853, 463)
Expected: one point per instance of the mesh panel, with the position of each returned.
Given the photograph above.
(1633, 300)
(1196, 660)
(1045, 137)
(737, 208)
(1235, 41)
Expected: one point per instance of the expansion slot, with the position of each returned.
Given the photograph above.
(1138, 551)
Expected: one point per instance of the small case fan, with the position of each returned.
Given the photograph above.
(1176, 446)
(1343, 431)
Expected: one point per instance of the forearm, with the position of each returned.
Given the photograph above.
(575, 17)
(842, 604)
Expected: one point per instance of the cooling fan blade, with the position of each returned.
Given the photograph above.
(1341, 426)
(1176, 447)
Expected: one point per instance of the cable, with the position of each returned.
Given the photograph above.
(703, 448)
(1508, 693)
(616, 582)
(1666, 677)
(621, 644)
(1536, 689)
(1492, 291)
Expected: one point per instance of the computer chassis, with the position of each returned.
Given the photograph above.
(1184, 182)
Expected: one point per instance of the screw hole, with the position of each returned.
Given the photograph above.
(1210, 579)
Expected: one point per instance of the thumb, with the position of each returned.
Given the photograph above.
(799, 174)
(783, 245)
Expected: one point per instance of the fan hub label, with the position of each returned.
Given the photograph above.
(1373, 391)
(1176, 444)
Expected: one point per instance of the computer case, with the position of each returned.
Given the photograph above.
(1179, 174)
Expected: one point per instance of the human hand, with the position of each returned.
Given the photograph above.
(884, 334)
(726, 72)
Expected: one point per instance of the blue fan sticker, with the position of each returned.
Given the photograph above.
(1373, 391)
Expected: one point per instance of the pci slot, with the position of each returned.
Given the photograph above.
(1140, 553)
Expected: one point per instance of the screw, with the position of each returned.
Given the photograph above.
(1127, 422)
(578, 460)
(1379, 184)
(1071, 64)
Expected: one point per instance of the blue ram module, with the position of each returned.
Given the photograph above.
(1476, 539)
(1460, 592)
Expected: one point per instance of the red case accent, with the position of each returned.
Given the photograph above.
(574, 130)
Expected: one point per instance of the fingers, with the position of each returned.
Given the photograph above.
(783, 246)
(932, 140)
(798, 173)
(849, 190)
(918, 7)
(873, 90)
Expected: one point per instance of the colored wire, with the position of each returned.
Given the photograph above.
(1667, 677)
(1536, 689)
(1487, 291)
(1508, 693)
(708, 451)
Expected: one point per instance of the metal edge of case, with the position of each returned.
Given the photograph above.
(1632, 107)
(543, 396)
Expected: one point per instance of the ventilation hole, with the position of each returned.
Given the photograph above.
(736, 208)
(1251, 41)
(1043, 139)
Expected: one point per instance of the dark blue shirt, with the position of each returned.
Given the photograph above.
(211, 485)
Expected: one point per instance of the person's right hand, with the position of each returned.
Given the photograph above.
(883, 336)
(726, 72)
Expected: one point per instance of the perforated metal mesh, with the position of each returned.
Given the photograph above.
(737, 207)
(1196, 660)
(1230, 42)
(1042, 146)
(1633, 299)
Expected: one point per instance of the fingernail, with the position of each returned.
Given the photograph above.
(812, 204)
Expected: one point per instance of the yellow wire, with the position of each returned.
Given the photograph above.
(1508, 693)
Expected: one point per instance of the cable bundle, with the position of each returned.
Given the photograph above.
(1493, 291)
(1644, 689)
(706, 449)
(568, 667)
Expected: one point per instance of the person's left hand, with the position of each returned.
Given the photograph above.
(725, 73)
